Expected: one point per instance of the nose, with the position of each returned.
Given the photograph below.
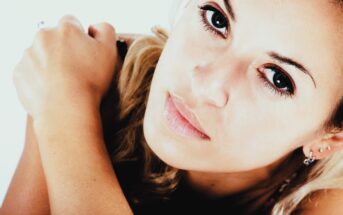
(208, 85)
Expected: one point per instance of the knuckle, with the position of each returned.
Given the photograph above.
(68, 24)
(27, 54)
(42, 35)
(108, 27)
(41, 40)
(68, 18)
(66, 27)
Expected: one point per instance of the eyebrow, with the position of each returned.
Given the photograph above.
(229, 9)
(289, 61)
(274, 55)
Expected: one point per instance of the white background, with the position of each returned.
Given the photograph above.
(18, 21)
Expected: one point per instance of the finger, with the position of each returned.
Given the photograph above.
(103, 32)
(69, 19)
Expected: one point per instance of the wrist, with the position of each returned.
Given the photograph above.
(69, 117)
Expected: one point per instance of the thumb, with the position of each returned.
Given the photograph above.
(103, 32)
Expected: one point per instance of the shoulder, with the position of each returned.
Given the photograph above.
(323, 202)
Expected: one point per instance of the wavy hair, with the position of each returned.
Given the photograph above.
(125, 140)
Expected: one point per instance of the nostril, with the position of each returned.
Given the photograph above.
(199, 68)
(220, 100)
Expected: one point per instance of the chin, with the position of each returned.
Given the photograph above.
(153, 142)
(167, 150)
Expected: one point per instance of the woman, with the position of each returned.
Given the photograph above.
(238, 111)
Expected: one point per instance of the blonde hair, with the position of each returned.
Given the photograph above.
(325, 174)
(125, 139)
(128, 96)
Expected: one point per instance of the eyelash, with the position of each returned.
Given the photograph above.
(203, 10)
(288, 93)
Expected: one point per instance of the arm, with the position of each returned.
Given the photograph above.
(89, 176)
(27, 193)
(323, 202)
(79, 180)
(61, 89)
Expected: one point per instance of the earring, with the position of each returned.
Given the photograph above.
(321, 149)
(310, 159)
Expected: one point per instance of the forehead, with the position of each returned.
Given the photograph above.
(308, 30)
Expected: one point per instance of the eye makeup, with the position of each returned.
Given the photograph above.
(275, 78)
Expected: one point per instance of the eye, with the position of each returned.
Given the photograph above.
(277, 80)
(214, 20)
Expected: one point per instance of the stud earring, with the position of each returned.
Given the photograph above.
(310, 159)
(321, 149)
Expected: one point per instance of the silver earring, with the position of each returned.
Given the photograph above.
(310, 159)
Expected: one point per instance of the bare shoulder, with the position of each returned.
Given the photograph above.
(323, 202)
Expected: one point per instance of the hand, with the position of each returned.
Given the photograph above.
(66, 67)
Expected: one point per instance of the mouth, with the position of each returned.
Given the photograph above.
(181, 119)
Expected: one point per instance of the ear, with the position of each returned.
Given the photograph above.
(328, 145)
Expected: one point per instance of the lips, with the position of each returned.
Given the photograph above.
(187, 114)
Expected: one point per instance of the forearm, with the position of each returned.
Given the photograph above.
(27, 193)
(78, 171)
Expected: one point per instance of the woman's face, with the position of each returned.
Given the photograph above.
(261, 81)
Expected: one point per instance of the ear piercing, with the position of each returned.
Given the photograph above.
(310, 159)
(322, 149)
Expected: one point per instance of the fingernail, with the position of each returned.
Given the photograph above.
(122, 48)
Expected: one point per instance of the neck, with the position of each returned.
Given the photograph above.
(216, 185)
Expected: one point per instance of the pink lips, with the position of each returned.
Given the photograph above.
(181, 119)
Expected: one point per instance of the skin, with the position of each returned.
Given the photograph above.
(61, 131)
(51, 74)
(252, 129)
(28, 193)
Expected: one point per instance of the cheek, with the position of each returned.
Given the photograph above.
(237, 147)
(251, 137)
(190, 44)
